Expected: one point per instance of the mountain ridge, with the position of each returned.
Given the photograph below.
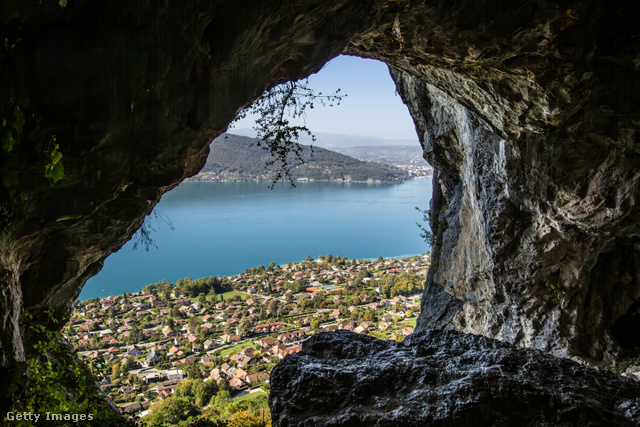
(239, 158)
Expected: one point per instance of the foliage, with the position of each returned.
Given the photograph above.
(426, 234)
(181, 408)
(559, 292)
(275, 133)
(54, 169)
(143, 235)
(52, 372)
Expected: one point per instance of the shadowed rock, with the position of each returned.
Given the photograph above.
(443, 378)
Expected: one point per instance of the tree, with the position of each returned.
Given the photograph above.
(202, 298)
(193, 324)
(135, 335)
(244, 329)
(201, 333)
(273, 306)
(194, 372)
(228, 328)
(315, 323)
(221, 400)
(204, 391)
(150, 289)
(274, 131)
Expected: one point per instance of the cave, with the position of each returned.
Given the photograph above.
(528, 112)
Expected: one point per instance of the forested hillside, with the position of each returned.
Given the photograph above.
(235, 157)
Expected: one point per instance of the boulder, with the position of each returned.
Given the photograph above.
(443, 378)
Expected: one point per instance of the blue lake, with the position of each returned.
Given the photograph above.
(221, 229)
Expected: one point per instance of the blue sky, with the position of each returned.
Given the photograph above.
(371, 107)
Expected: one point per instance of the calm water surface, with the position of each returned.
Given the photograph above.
(221, 229)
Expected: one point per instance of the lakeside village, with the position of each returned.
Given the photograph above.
(234, 330)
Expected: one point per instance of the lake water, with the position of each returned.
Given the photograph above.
(221, 229)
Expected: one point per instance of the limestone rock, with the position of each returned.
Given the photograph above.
(443, 378)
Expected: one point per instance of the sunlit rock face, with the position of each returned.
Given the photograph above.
(528, 110)
(533, 133)
(443, 378)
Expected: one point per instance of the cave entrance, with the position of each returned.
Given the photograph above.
(223, 228)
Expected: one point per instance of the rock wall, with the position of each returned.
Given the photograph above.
(535, 200)
(132, 95)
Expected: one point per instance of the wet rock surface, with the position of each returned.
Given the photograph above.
(443, 378)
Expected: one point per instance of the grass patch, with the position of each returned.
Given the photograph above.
(409, 322)
(249, 396)
(237, 348)
(230, 294)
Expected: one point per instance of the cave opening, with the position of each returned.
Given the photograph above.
(362, 220)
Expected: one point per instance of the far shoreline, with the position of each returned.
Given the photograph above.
(401, 257)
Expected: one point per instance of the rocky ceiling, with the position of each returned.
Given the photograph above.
(528, 110)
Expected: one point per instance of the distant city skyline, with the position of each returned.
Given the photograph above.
(371, 108)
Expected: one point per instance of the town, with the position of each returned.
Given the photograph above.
(222, 336)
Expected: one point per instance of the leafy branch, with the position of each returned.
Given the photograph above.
(426, 234)
(275, 132)
(143, 235)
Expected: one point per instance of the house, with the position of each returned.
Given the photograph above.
(134, 350)
(243, 360)
(257, 378)
(153, 357)
(210, 358)
(168, 332)
(266, 342)
(230, 338)
(135, 406)
(218, 374)
(174, 374)
(383, 326)
(240, 373)
(192, 338)
(168, 387)
(360, 329)
(248, 351)
(348, 326)
(290, 337)
(289, 350)
(236, 383)
(335, 313)
(208, 344)
(407, 330)
(277, 350)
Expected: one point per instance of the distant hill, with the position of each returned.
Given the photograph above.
(391, 154)
(335, 140)
(237, 158)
